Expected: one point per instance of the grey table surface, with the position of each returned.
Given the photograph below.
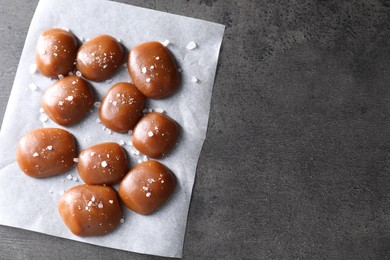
(296, 164)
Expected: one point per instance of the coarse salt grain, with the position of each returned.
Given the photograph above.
(110, 201)
(69, 177)
(139, 160)
(75, 179)
(60, 103)
(159, 110)
(43, 118)
(78, 73)
(104, 164)
(145, 158)
(49, 147)
(89, 203)
(69, 98)
(194, 79)
(147, 79)
(100, 205)
(41, 110)
(145, 188)
(60, 76)
(71, 74)
(130, 132)
(148, 194)
(33, 87)
(191, 45)
(157, 58)
(73, 82)
(121, 142)
(150, 134)
(93, 198)
(35, 154)
(143, 70)
(165, 43)
(122, 220)
(33, 68)
(108, 131)
(76, 159)
(97, 104)
(92, 154)
(42, 51)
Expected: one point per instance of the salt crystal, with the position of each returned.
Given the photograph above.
(105, 65)
(78, 73)
(89, 203)
(42, 51)
(60, 76)
(43, 118)
(191, 45)
(162, 181)
(49, 147)
(145, 158)
(33, 68)
(150, 134)
(139, 160)
(97, 120)
(71, 74)
(76, 159)
(108, 131)
(165, 43)
(151, 67)
(194, 79)
(35, 154)
(75, 179)
(121, 142)
(69, 177)
(97, 104)
(92, 154)
(41, 110)
(60, 103)
(118, 40)
(55, 54)
(147, 79)
(73, 82)
(114, 103)
(143, 70)
(157, 58)
(159, 110)
(100, 206)
(110, 201)
(148, 194)
(104, 164)
(69, 98)
(93, 198)
(122, 220)
(145, 188)
(33, 87)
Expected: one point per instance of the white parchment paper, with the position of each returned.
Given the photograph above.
(31, 203)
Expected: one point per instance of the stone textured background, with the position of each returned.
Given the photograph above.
(296, 164)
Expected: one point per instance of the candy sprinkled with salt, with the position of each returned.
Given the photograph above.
(35, 154)
(33, 68)
(191, 45)
(33, 87)
(165, 43)
(104, 164)
(97, 104)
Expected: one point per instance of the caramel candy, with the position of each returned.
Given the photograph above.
(104, 163)
(155, 134)
(68, 100)
(146, 187)
(90, 210)
(153, 70)
(46, 152)
(121, 107)
(99, 58)
(55, 52)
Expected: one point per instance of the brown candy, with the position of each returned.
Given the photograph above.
(46, 152)
(104, 163)
(68, 100)
(90, 210)
(121, 107)
(146, 187)
(153, 70)
(55, 52)
(99, 58)
(155, 134)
